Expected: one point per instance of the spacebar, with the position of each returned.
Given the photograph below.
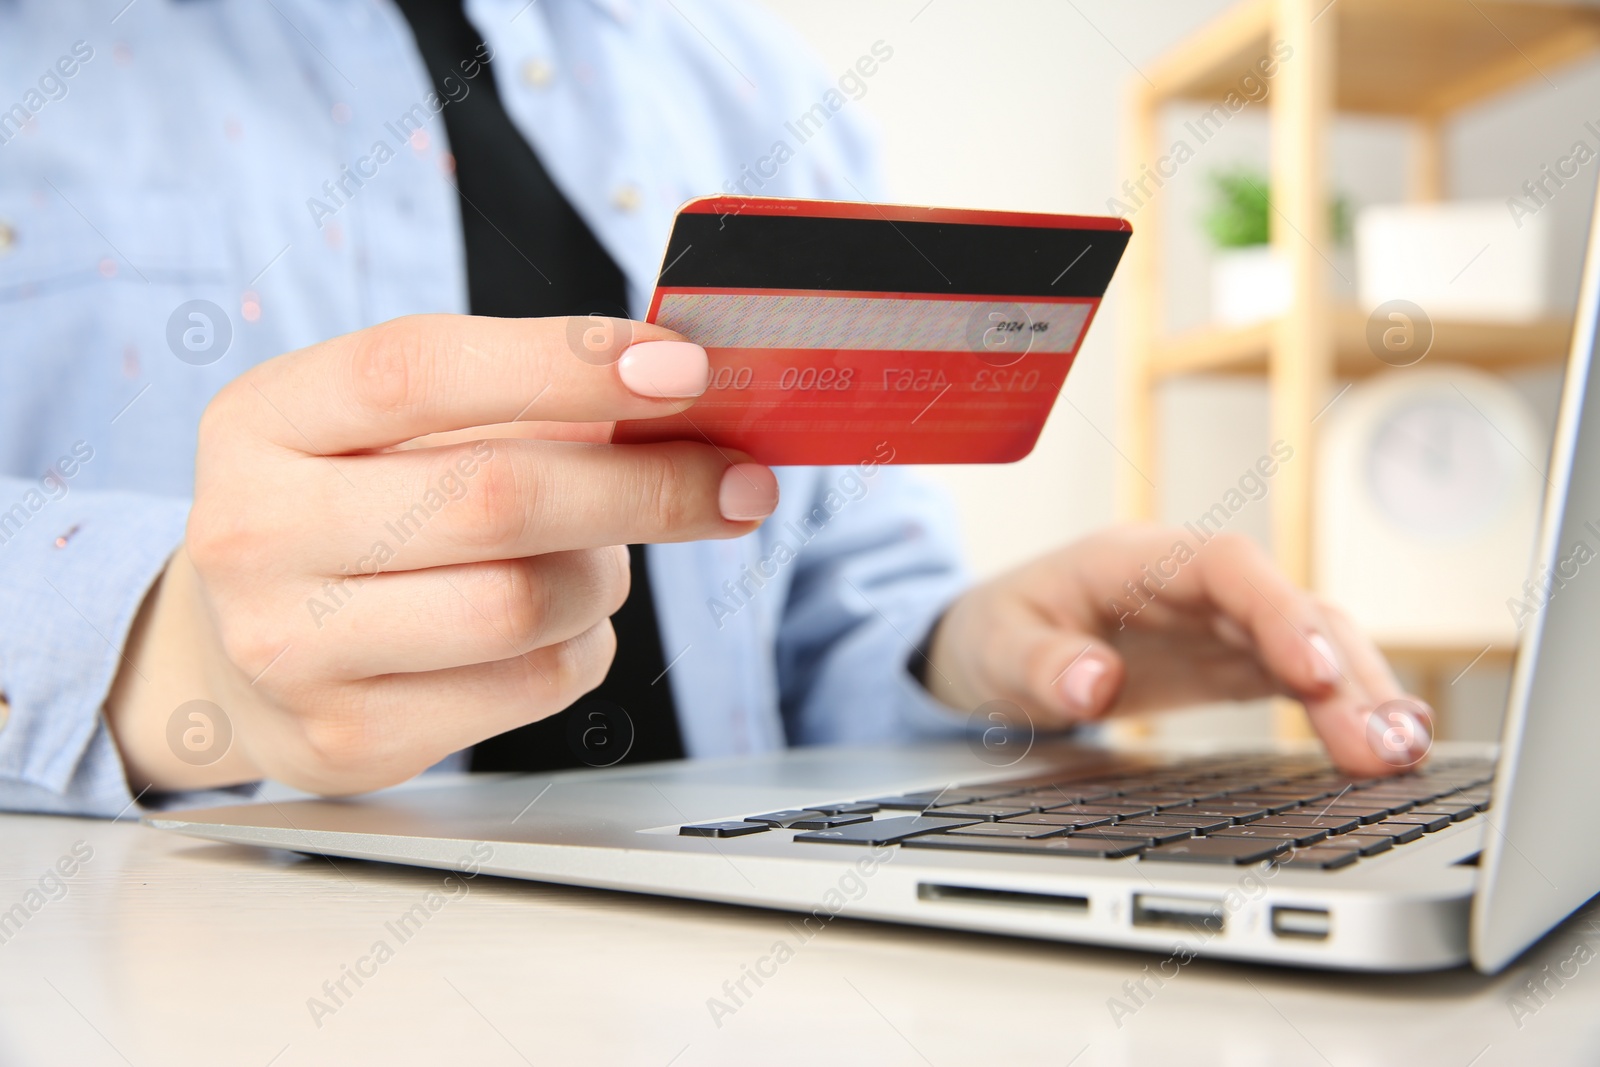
(883, 831)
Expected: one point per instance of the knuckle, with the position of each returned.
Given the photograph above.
(386, 367)
(248, 643)
(219, 538)
(663, 491)
(497, 505)
(524, 604)
(335, 740)
(580, 664)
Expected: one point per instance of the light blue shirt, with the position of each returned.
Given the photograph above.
(183, 151)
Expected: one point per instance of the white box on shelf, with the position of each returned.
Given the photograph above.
(1254, 284)
(1249, 285)
(1465, 260)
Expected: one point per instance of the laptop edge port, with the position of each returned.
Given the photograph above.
(1178, 912)
(1313, 924)
(974, 895)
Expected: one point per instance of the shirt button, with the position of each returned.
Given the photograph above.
(537, 73)
(626, 197)
(8, 238)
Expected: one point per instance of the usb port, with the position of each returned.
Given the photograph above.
(1311, 923)
(1184, 913)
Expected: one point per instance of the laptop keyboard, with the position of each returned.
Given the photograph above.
(1297, 811)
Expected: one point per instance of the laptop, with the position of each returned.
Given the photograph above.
(1267, 855)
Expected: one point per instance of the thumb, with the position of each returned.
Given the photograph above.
(1072, 676)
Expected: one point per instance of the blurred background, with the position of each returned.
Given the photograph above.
(1422, 172)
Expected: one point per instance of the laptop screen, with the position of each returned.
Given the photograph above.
(1539, 864)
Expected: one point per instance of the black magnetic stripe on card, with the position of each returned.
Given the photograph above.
(876, 255)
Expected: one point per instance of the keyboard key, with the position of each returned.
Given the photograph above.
(943, 798)
(1365, 843)
(1010, 829)
(880, 831)
(787, 817)
(1299, 836)
(1363, 813)
(1320, 857)
(1332, 823)
(1160, 803)
(1065, 794)
(845, 809)
(1242, 813)
(1071, 847)
(1396, 805)
(1292, 791)
(898, 803)
(1198, 823)
(1118, 810)
(1053, 818)
(1402, 832)
(1215, 850)
(978, 811)
(1127, 831)
(1273, 805)
(1398, 798)
(1203, 791)
(722, 829)
(1340, 782)
(1258, 785)
(1430, 823)
(1457, 812)
(827, 822)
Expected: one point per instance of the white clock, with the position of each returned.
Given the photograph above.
(1429, 486)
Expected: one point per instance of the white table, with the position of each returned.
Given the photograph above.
(168, 951)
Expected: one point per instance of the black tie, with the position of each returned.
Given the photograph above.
(530, 254)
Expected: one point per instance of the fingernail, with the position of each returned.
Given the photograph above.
(1077, 685)
(665, 369)
(1324, 662)
(749, 491)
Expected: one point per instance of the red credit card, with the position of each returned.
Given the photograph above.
(843, 332)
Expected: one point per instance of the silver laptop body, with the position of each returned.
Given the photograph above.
(1482, 888)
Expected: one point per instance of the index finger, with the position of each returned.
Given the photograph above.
(1322, 659)
(1232, 575)
(427, 374)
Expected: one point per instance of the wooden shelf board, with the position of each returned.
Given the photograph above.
(1394, 57)
(1417, 650)
(1245, 349)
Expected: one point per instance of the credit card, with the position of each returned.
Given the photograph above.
(845, 332)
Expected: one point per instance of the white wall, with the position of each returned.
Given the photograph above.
(1019, 104)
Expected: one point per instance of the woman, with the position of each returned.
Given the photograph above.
(404, 541)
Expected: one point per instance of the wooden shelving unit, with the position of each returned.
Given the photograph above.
(1421, 60)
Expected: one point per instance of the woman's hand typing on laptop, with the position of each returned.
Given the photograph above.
(408, 539)
(1138, 618)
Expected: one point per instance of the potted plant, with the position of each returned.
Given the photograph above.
(1250, 281)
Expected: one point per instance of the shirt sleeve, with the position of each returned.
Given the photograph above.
(75, 566)
(866, 594)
